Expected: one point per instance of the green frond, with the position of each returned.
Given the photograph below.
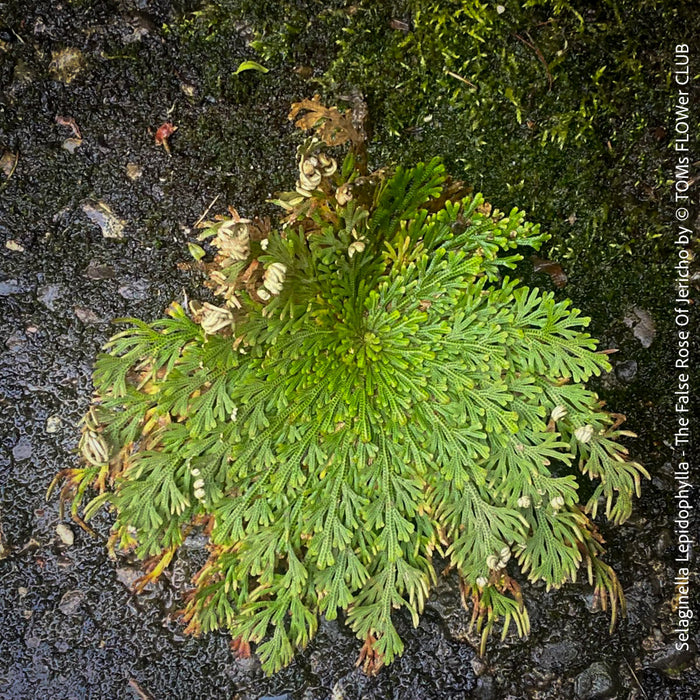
(369, 392)
(604, 459)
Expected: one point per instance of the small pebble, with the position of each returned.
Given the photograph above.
(556, 655)
(86, 316)
(71, 602)
(485, 689)
(16, 341)
(71, 145)
(61, 646)
(133, 171)
(128, 576)
(9, 287)
(22, 450)
(478, 666)
(101, 214)
(665, 542)
(49, 294)
(53, 424)
(642, 325)
(669, 658)
(136, 290)
(626, 371)
(597, 682)
(65, 534)
(95, 271)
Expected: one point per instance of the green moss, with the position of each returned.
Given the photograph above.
(556, 106)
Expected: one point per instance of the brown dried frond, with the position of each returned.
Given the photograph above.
(370, 659)
(240, 648)
(333, 127)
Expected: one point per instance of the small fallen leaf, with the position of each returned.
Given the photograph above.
(196, 251)
(304, 71)
(8, 163)
(251, 65)
(399, 25)
(189, 89)
(552, 268)
(164, 132)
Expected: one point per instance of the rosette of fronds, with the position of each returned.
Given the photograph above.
(372, 390)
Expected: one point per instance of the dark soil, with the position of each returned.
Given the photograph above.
(70, 626)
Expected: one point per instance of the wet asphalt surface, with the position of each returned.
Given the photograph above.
(71, 629)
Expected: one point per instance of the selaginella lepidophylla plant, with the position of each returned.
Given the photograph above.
(370, 391)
